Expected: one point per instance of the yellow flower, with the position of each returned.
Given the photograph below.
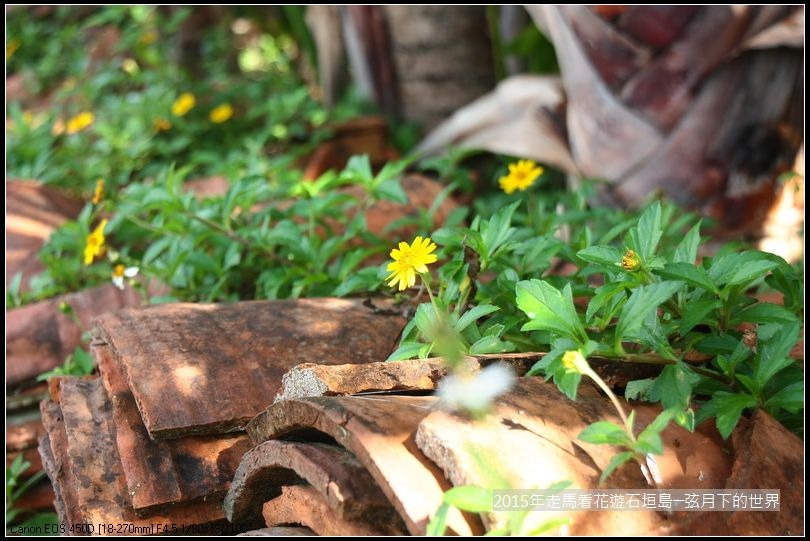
(183, 104)
(11, 47)
(521, 175)
(94, 245)
(161, 124)
(79, 122)
(98, 194)
(573, 361)
(408, 260)
(221, 113)
(630, 261)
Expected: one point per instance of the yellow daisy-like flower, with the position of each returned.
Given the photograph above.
(573, 361)
(98, 193)
(410, 259)
(79, 122)
(183, 104)
(94, 246)
(221, 113)
(161, 124)
(630, 261)
(521, 175)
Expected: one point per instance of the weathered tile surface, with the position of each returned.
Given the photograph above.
(209, 369)
(300, 504)
(331, 470)
(379, 431)
(87, 469)
(39, 336)
(165, 472)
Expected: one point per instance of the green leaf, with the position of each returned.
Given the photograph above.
(83, 361)
(438, 522)
(490, 344)
(673, 387)
(233, 256)
(643, 301)
(686, 251)
(496, 231)
(728, 408)
(425, 319)
(763, 312)
(640, 389)
(790, 398)
(470, 498)
(766, 368)
(750, 271)
(650, 437)
(605, 296)
(603, 255)
(772, 354)
(605, 433)
(362, 280)
(155, 249)
(690, 274)
(392, 190)
(546, 363)
(696, 312)
(567, 382)
(645, 236)
(474, 314)
(749, 383)
(358, 168)
(614, 463)
(653, 334)
(406, 350)
(549, 309)
(449, 236)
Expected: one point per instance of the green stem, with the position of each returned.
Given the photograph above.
(530, 205)
(426, 280)
(606, 389)
(674, 308)
(650, 358)
(67, 309)
(141, 223)
(219, 228)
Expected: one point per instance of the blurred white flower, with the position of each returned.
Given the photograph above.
(120, 272)
(475, 391)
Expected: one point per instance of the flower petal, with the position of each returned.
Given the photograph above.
(411, 275)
